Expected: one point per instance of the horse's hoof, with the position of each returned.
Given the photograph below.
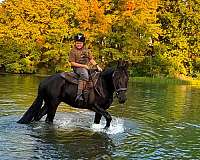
(106, 128)
(48, 122)
(21, 121)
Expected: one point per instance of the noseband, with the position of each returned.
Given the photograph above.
(120, 89)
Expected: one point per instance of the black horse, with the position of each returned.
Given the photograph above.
(55, 89)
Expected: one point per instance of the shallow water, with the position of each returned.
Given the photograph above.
(157, 122)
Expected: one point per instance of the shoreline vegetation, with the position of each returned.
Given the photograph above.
(153, 80)
(166, 80)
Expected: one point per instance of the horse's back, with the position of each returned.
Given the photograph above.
(73, 77)
(52, 84)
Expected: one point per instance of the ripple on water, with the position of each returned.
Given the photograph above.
(72, 136)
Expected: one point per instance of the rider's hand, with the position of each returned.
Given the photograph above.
(86, 67)
(99, 68)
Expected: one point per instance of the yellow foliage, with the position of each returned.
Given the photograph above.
(44, 24)
(145, 10)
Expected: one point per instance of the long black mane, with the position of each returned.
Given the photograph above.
(106, 80)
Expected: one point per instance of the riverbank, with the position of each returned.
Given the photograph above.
(165, 80)
(160, 80)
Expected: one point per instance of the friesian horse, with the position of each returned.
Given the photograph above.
(55, 89)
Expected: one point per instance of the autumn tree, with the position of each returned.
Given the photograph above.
(40, 32)
(179, 40)
(133, 27)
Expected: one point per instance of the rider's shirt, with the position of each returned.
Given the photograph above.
(82, 56)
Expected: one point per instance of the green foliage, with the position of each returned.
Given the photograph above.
(160, 38)
(180, 37)
(13, 67)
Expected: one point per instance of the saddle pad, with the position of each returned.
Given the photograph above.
(73, 77)
(70, 77)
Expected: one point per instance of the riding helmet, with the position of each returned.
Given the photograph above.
(79, 37)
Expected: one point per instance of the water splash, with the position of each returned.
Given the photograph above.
(117, 126)
(64, 123)
(85, 121)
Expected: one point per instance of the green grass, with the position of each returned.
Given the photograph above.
(165, 80)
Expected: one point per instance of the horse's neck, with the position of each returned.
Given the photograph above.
(107, 83)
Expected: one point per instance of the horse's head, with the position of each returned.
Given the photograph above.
(120, 80)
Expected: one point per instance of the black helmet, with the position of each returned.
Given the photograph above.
(79, 37)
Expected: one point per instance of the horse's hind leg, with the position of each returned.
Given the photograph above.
(51, 110)
(42, 112)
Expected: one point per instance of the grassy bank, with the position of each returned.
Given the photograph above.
(165, 80)
(159, 80)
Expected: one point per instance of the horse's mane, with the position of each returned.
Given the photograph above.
(108, 69)
(107, 72)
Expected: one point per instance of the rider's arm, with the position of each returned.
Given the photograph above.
(91, 58)
(92, 61)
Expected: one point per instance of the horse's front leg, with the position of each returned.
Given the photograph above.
(104, 113)
(97, 118)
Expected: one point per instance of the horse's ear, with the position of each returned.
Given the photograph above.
(119, 63)
(122, 64)
(126, 64)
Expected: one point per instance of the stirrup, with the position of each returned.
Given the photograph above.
(86, 95)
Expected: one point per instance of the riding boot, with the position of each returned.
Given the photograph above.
(81, 86)
(88, 85)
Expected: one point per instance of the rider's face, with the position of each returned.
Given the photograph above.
(79, 45)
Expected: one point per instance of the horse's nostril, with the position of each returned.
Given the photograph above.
(122, 101)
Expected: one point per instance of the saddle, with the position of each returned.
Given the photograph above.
(72, 77)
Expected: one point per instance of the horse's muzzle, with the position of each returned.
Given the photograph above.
(122, 101)
(121, 97)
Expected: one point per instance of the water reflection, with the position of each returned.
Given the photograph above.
(71, 144)
(60, 140)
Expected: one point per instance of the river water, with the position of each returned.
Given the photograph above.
(158, 121)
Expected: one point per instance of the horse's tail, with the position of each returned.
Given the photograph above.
(33, 110)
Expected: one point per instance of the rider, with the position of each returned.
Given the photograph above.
(80, 57)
